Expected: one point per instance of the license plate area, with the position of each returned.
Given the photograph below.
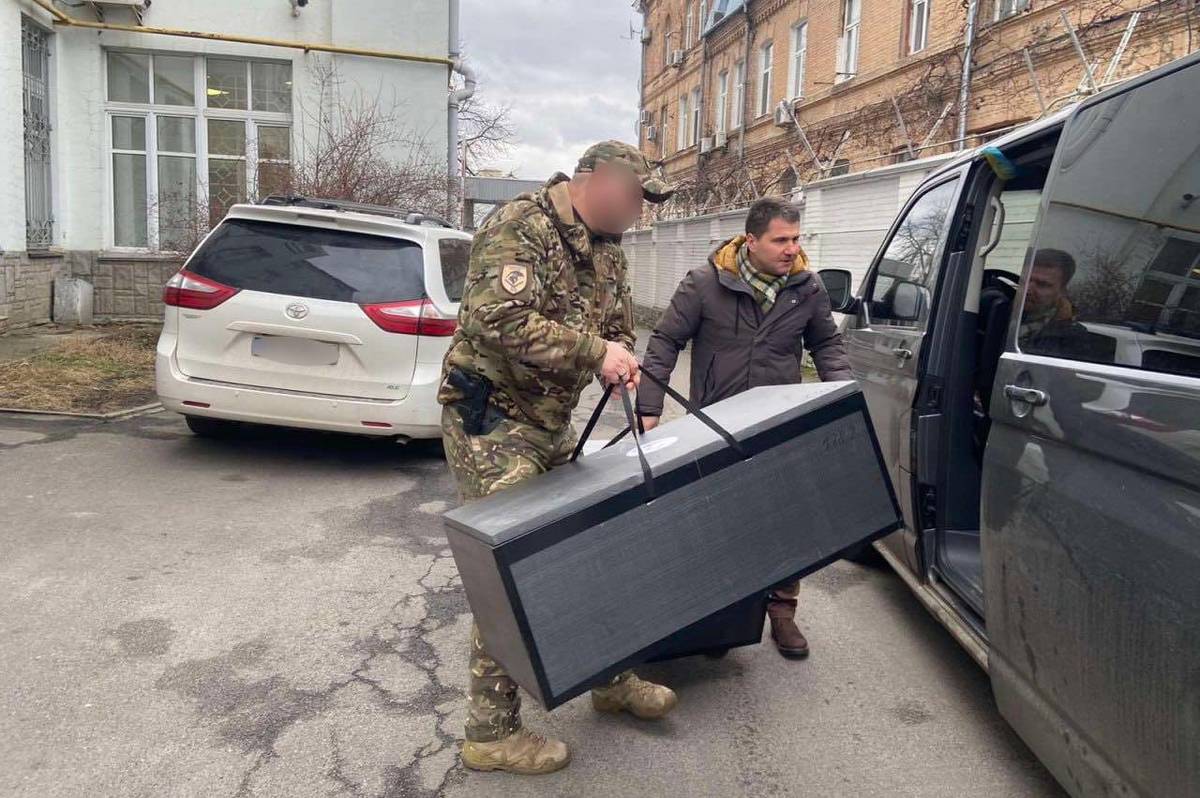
(294, 351)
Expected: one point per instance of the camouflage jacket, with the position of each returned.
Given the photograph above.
(542, 295)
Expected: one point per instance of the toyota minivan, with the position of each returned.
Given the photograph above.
(316, 314)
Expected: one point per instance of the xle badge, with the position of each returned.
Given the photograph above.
(514, 277)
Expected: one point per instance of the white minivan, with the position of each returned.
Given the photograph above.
(317, 314)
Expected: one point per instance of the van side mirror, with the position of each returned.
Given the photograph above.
(908, 302)
(838, 284)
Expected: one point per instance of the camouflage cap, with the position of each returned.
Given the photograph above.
(654, 187)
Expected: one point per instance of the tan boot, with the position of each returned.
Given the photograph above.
(521, 752)
(646, 700)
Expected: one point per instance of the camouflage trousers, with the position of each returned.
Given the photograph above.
(483, 464)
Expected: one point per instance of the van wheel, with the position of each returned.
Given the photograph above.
(210, 427)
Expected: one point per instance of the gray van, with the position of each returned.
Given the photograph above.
(1036, 391)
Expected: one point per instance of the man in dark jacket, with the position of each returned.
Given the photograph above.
(749, 313)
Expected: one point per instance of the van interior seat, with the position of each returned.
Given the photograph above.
(995, 310)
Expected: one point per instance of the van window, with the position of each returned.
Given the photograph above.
(311, 262)
(1118, 253)
(910, 261)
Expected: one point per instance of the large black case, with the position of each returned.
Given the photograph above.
(575, 575)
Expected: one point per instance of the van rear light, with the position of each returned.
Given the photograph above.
(411, 317)
(187, 290)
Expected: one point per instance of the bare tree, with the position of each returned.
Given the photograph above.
(487, 132)
(356, 147)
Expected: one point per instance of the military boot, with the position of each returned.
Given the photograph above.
(521, 752)
(643, 699)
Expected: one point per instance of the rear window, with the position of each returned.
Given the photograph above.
(456, 256)
(311, 262)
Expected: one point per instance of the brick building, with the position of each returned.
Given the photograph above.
(732, 89)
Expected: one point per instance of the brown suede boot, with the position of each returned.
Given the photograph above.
(787, 636)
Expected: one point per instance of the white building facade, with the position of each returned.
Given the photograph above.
(112, 135)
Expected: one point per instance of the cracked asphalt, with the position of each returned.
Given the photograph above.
(280, 616)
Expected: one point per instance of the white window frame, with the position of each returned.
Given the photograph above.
(918, 12)
(798, 60)
(681, 124)
(722, 100)
(848, 44)
(694, 132)
(738, 110)
(200, 113)
(766, 57)
(700, 20)
(687, 36)
(1005, 9)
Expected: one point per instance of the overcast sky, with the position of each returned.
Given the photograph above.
(568, 69)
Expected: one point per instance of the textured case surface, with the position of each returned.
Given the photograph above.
(594, 578)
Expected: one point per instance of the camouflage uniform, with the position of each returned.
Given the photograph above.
(542, 296)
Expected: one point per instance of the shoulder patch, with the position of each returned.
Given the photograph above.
(514, 277)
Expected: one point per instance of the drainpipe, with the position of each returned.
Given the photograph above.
(964, 85)
(745, 81)
(457, 97)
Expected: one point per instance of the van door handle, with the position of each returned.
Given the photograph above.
(1030, 396)
(902, 353)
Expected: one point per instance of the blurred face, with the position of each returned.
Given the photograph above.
(612, 199)
(776, 249)
(1045, 288)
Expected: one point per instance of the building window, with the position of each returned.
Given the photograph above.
(739, 95)
(681, 124)
(190, 134)
(848, 43)
(918, 25)
(766, 55)
(687, 36)
(722, 99)
(702, 21)
(694, 134)
(662, 132)
(35, 104)
(666, 59)
(1010, 8)
(799, 56)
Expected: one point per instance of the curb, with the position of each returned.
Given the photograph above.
(116, 415)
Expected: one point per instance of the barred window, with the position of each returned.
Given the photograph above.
(35, 97)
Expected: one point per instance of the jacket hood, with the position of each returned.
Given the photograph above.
(724, 258)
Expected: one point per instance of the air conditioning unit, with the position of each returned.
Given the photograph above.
(706, 144)
(720, 141)
(647, 117)
(783, 115)
(645, 35)
(676, 58)
(651, 133)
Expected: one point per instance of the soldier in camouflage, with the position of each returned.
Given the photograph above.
(546, 308)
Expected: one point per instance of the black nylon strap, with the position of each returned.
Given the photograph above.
(591, 425)
(647, 474)
(697, 412)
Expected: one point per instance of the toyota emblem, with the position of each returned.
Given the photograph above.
(296, 310)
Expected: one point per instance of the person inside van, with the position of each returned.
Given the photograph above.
(1048, 320)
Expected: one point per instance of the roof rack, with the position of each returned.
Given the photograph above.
(408, 217)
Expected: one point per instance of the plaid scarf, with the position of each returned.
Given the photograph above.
(764, 286)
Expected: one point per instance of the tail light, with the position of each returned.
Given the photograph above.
(187, 290)
(412, 317)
